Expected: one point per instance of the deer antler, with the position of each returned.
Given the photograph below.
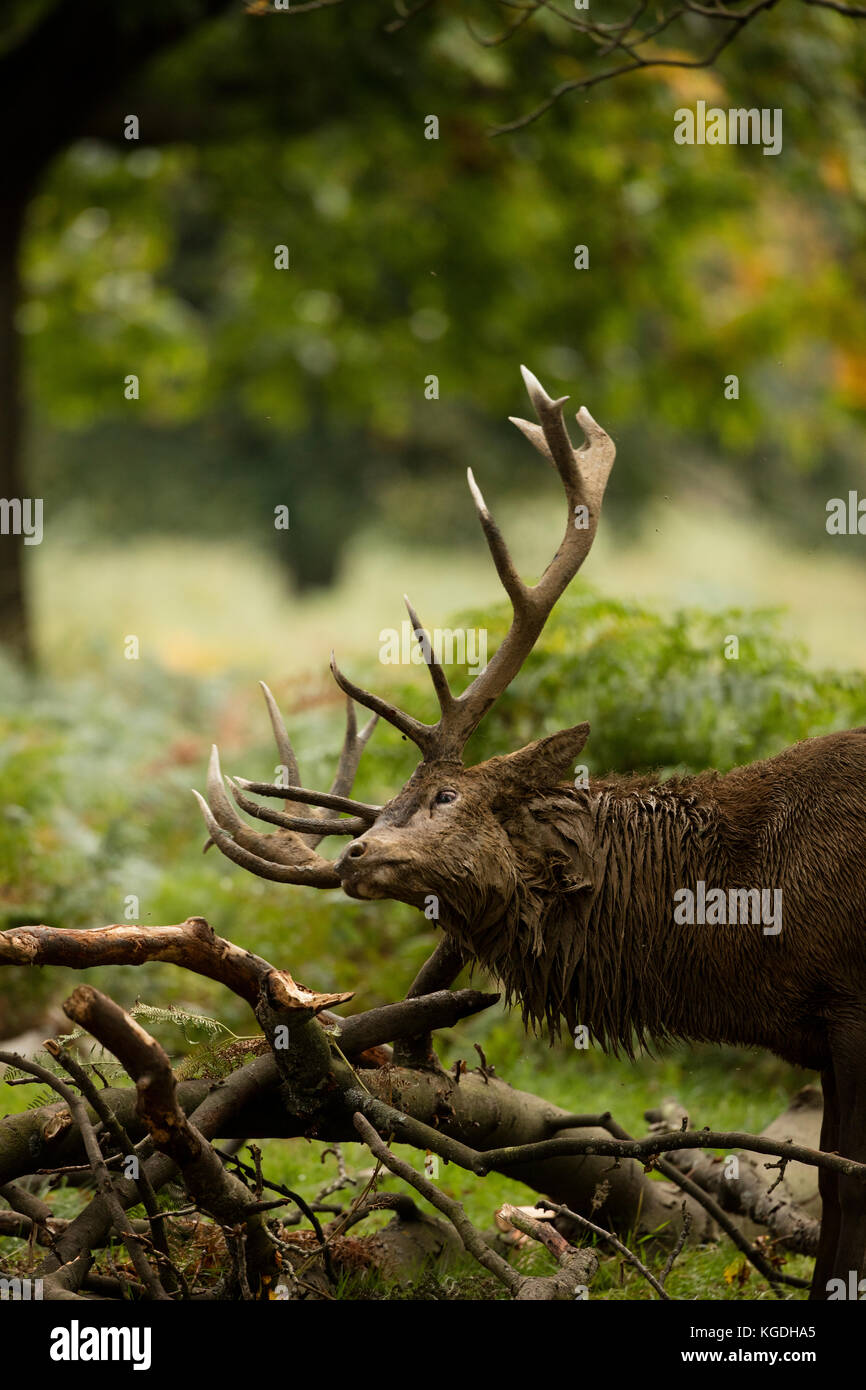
(288, 857)
(584, 473)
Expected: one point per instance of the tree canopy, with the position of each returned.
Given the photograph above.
(411, 258)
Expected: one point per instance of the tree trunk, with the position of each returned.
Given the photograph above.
(65, 66)
(15, 632)
(485, 1113)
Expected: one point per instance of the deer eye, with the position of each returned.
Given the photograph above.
(444, 797)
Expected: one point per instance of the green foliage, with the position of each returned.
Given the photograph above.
(659, 693)
(109, 769)
(183, 1019)
(454, 257)
(95, 777)
(305, 388)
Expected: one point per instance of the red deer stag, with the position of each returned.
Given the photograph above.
(577, 897)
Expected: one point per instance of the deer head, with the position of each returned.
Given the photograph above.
(469, 835)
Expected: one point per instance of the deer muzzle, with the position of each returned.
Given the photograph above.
(368, 867)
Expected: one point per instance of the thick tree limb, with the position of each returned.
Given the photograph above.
(403, 1020)
(192, 944)
(479, 1122)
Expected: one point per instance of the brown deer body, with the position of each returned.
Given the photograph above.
(576, 896)
(568, 895)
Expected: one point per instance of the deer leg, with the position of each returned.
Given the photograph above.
(849, 1066)
(828, 1186)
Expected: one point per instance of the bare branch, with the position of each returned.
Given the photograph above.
(576, 1266)
(192, 944)
(711, 1207)
(611, 1239)
(677, 1250)
(215, 1190)
(96, 1100)
(663, 1143)
(636, 63)
(149, 1278)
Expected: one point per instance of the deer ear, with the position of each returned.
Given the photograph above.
(549, 760)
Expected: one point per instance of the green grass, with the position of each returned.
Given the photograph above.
(717, 1271)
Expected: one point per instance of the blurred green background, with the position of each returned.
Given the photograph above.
(305, 388)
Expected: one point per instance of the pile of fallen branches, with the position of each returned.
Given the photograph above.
(371, 1078)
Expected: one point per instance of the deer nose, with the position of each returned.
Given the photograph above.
(357, 850)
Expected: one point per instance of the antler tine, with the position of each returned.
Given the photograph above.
(316, 873)
(216, 793)
(440, 681)
(224, 813)
(270, 856)
(306, 826)
(354, 744)
(511, 581)
(313, 827)
(310, 826)
(289, 761)
(281, 736)
(584, 473)
(599, 449)
(550, 437)
(364, 735)
(422, 735)
(306, 797)
(285, 751)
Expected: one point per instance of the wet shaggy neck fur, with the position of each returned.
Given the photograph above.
(584, 929)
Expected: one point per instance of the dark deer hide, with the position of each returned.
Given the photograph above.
(567, 895)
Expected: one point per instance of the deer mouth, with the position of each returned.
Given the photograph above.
(365, 889)
(376, 881)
